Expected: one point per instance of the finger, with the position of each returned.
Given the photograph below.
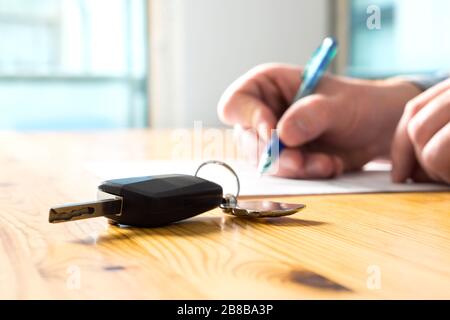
(249, 112)
(339, 165)
(305, 120)
(248, 144)
(259, 97)
(436, 154)
(318, 166)
(346, 160)
(429, 120)
(424, 98)
(419, 175)
(295, 164)
(402, 152)
(289, 164)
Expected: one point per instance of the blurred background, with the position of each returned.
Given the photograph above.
(109, 64)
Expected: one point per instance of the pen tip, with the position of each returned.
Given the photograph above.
(264, 166)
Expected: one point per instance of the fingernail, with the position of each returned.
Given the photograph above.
(264, 131)
(339, 166)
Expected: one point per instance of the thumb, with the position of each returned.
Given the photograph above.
(305, 120)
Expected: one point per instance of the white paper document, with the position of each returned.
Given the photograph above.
(374, 178)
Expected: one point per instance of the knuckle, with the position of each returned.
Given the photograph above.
(416, 131)
(263, 68)
(412, 107)
(431, 159)
(270, 68)
(228, 104)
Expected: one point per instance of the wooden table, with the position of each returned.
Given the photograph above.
(341, 246)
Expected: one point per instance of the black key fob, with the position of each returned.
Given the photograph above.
(159, 200)
(156, 201)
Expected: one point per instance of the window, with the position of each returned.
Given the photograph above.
(412, 38)
(73, 64)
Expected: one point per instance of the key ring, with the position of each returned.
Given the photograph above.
(252, 209)
(223, 164)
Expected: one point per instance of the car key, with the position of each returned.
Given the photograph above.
(146, 201)
(155, 201)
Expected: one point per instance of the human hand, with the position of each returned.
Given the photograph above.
(421, 147)
(342, 126)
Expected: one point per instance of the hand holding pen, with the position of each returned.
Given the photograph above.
(310, 79)
(341, 126)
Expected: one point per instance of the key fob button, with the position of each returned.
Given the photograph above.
(159, 200)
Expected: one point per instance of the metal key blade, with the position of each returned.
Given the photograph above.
(86, 210)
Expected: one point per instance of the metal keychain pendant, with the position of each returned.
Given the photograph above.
(231, 204)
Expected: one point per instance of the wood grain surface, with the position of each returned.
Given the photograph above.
(375, 246)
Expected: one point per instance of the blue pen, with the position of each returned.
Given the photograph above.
(314, 71)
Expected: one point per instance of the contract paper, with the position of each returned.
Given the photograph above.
(375, 178)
